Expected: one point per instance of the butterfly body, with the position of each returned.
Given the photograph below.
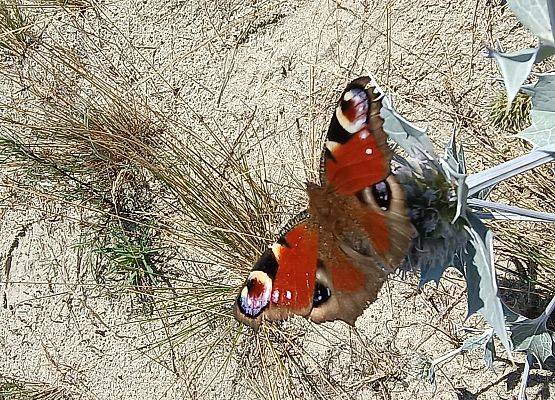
(331, 261)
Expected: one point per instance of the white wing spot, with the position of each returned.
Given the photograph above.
(276, 249)
(368, 151)
(349, 95)
(331, 145)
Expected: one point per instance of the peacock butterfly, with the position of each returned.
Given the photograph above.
(330, 262)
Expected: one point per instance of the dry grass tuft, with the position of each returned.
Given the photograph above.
(173, 219)
(17, 389)
(513, 118)
(16, 31)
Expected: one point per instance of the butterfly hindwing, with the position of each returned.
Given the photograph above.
(308, 273)
(350, 286)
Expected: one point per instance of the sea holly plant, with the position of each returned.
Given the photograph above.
(448, 206)
(450, 232)
(538, 17)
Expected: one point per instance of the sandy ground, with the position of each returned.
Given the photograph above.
(285, 62)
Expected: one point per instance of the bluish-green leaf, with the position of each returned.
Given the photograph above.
(539, 17)
(477, 341)
(454, 155)
(532, 335)
(454, 167)
(411, 138)
(542, 92)
(502, 211)
(511, 317)
(534, 338)
(469, 344)
(515, 68)
(535, 15)
(462, 190)
(492, 176)
(489, 353)
(541, 133)
(524, 377)
(481, 279)
(545, 51)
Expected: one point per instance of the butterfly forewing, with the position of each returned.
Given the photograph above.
(284, 278)
(356, 153)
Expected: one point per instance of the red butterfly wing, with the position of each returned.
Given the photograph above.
(360, 206)
(283, 280)
(356, 161)
(297, 254)
(356, 152)
(350, 286)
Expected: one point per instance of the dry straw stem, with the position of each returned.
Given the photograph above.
(15, 29)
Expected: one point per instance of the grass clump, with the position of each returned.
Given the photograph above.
(129, 258)
(67, 135)
(513, 118)
(15, 28)
(174, 214)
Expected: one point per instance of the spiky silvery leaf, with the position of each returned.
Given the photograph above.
(454, 169)
(481, 280)
(408, 136)
(532, 335)
(535, 15)
(469, 344)
(411, 138)
(542, 130)
(489, 352)
(539, 17)
(492, 176)
(524, 377)
(541, 133)
(515, 68)
(505, 212)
